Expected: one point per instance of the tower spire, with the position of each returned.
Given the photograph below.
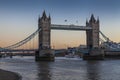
(86, 21)
(39, 18)
(49, 17)
(92, 19)
(98, 19)
(44, 15)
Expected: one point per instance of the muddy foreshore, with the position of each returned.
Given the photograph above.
(8, 75)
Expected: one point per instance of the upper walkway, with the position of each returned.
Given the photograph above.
(69, 27)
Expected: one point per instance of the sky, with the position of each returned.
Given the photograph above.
(19, 19)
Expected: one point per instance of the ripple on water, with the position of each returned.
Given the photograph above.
(62, 69)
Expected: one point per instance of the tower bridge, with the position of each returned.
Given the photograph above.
(44, 51)
(92, 37)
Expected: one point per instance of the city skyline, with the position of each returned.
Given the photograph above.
(19, 19)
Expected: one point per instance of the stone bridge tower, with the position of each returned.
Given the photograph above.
(44, 49)
(44, 35)
(92, 36)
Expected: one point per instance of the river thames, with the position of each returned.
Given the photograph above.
(62, 69)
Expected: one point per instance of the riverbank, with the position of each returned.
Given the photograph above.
(7, 75)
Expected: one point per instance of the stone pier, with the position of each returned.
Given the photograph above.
(45, 55)
(94, 54)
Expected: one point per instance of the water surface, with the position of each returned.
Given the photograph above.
(62, 69)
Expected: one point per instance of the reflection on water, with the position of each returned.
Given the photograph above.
(44, 71)
(62, 69)
(93, 70)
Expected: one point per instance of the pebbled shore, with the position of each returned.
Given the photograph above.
(7, 75)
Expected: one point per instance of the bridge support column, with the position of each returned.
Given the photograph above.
(44, 53)
(94, 50)
(94, 54)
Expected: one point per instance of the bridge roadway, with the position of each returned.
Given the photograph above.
(69, 27)
(19, 50)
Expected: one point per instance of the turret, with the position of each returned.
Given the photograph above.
(44, 15)
(92, 19)
(39, 19)
(87, 22)
(49, 17)
(98, 20)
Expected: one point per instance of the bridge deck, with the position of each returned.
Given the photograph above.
(18, 50)
(69, 27)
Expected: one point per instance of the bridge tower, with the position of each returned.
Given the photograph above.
(92, 36)
(44, 53)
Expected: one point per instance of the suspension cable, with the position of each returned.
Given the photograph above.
(105, 37)
(22, 42)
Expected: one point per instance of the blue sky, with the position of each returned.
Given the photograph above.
(18, 19)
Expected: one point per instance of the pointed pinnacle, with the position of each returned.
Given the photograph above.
(92, 19)
(44, 14)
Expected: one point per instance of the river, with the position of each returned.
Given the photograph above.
(62, 69)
